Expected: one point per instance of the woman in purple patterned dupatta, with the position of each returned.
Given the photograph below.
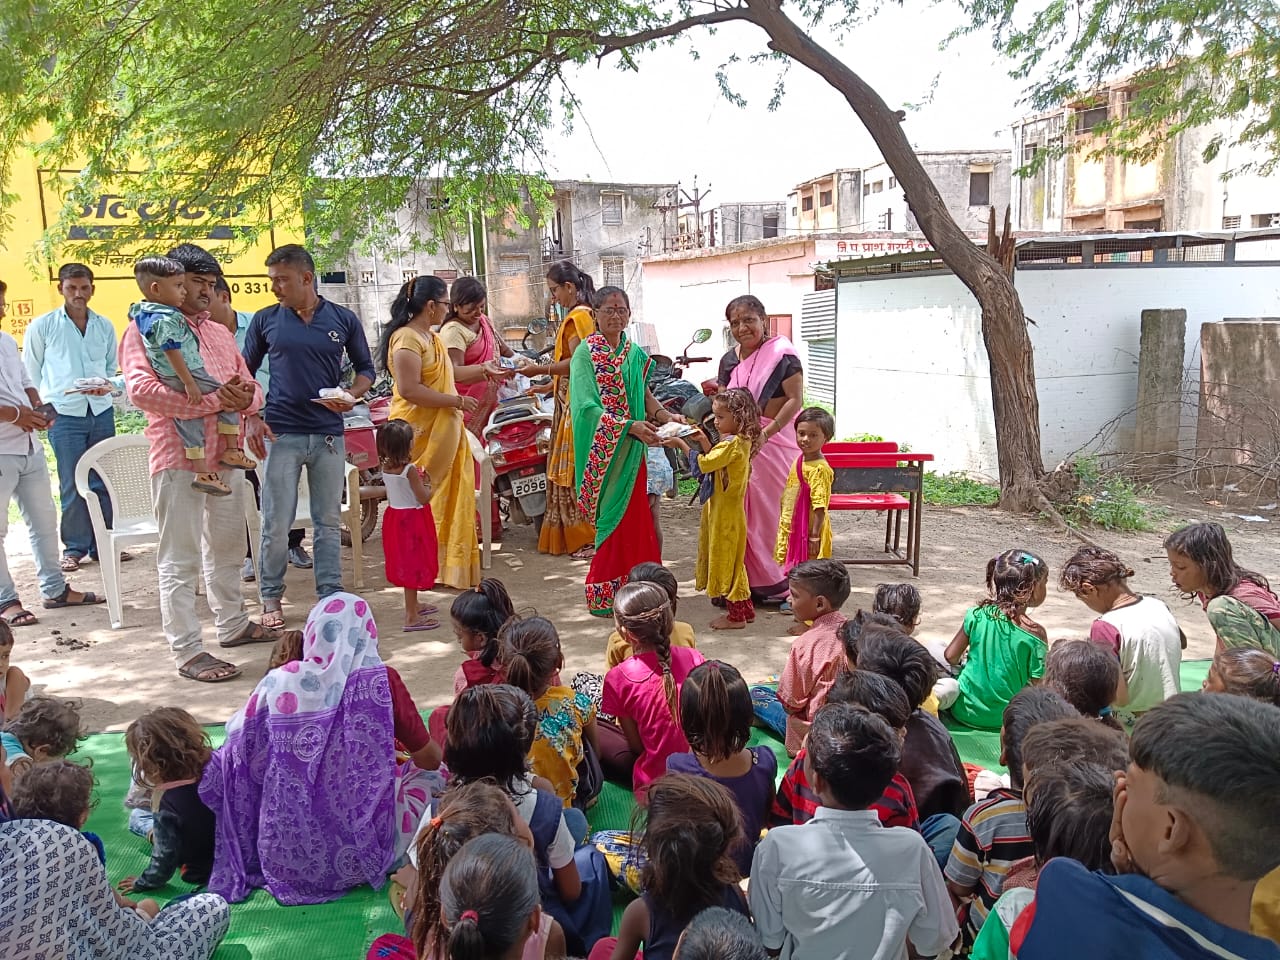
(309, 798)
(767, 367)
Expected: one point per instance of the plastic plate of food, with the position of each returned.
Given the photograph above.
(673, 429)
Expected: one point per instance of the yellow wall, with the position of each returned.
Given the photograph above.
(32, 281)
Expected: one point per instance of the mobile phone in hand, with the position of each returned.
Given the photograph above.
(47, 411)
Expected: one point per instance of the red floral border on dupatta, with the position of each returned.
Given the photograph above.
(613, 422)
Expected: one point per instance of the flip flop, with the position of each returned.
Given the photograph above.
(273, 619)
(265, 635)
(69, 564)
(422, 625)
(428, 610)
(583, 553)
(87, 599)
(192, 669)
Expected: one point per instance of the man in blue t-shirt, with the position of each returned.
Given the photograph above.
(305, 337)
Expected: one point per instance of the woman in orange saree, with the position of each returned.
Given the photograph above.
(565, 528)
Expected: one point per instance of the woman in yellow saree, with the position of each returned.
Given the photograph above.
(426, 397)
(565, 528)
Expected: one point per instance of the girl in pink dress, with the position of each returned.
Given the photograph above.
(408, 529)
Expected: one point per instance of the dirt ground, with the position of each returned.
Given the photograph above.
(117, 674)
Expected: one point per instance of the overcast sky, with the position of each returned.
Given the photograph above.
(669, 121)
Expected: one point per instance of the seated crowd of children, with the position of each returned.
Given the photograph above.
(1134, 820)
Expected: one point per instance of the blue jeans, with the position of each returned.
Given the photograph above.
(769, 710)
(26, 477)
(939, 832)
(325, 459)
(70, 437)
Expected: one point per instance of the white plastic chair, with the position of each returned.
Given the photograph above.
(122, 464)
(350, 516)
(484, 495)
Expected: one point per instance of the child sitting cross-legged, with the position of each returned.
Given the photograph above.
(618, 648)
(1246, 672)
(566, 723)
(896, 807)
(1140, 632)
(993, 833)
(45, 729)
(819, 588)
(1087, 676)
(901, 601)
(691, 829)
(62, 791)
(169, 751)
(715, 714)
(843, 886)
(1069, 771)
(1006, 647)
(930, 762)
(1194, 831)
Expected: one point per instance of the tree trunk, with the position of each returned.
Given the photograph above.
(1004, 327)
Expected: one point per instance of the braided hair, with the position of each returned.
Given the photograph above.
(1012, 578)
(643, 614)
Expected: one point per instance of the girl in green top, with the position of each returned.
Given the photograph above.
(1006, 647)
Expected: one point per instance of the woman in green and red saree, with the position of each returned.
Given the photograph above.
(609, 402)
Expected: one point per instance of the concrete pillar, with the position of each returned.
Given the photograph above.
(1160, 359)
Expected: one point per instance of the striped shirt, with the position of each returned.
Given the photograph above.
(796, 802)
(993, 836)
(163, 404)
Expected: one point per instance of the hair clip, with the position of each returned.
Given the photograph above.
(469, 915)
(714, 665)
(1275, 667)
(435, 822)
(1104, 712)
(1029, 558)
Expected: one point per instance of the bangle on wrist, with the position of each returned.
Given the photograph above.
(17, 413)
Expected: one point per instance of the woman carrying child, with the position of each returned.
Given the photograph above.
(723, 472)
(309, 798)
(1242, 608)
(804, 531)
(408, 529)
(1006, 647)
(1140, 631)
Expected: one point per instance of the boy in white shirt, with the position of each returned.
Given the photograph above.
(842, 886)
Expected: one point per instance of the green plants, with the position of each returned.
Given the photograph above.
(958, 490)
(1108, 500)
(130, 420)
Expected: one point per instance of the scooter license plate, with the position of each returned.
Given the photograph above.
(523, 486)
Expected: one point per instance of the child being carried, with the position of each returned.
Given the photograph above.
(174, 353)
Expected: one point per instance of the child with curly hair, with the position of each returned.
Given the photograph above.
(44, 730)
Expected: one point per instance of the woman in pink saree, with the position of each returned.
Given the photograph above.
(769, 368)
(471, 341)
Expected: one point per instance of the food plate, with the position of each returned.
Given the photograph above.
(671, 430)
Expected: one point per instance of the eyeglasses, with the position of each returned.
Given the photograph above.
(614, 311)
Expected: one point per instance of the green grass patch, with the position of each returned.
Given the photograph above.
(686, 487)
(1109, 500)
(958, 490)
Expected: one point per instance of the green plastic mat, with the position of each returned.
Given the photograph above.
(343, 930)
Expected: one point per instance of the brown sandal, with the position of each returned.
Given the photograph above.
(201, 664)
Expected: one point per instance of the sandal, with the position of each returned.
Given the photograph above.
(87, 599)
(427, 610)
(238, 461)
(211, 484)
(583, 553)
(23, 618)
(202, 664)
(273, 617)
(252, 633)
(419, 625)
(69, 564)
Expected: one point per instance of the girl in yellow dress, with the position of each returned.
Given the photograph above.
(723, 471)
(804, 531)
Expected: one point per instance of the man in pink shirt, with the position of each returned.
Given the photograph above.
(192, 522)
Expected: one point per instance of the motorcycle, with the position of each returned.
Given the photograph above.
(667, 384)
(517, 439)
(360, 431)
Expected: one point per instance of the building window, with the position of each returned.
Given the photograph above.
(878, 187)
(1265, 220)
(979, 189)
(340, 276)
(893, 182)
(1088, 120)
(825, 198)
(510, 264)
(866, 189)
(806, 203)
(1230, 223)
(611, 270)
(367, 276)
(1142, 224)
(611, 208)
(770, 226)
(1029, 152)
(794, 212)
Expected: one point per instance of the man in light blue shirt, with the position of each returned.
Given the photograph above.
(61, 347)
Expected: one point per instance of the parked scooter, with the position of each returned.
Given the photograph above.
(668, 386)
(360, 431)
(517, 439)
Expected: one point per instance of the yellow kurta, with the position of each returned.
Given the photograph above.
(442, 451)
(722, 536)
(564, 527)
(819, 475)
